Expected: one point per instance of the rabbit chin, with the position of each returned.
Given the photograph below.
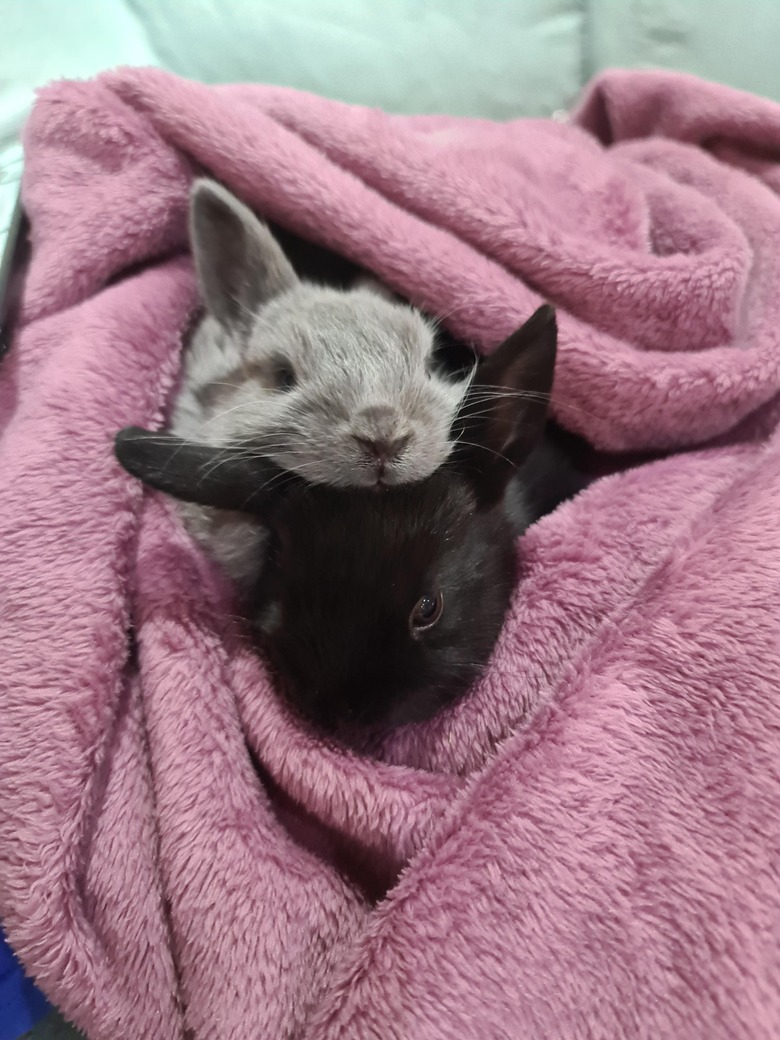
(345, 468)
(366, 733)
(424, 703)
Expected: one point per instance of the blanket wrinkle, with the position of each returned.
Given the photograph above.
(588, 845)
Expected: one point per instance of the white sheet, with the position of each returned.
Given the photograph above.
(41, 40)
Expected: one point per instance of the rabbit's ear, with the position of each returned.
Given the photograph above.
(504, 413)
(240, 264)
(225, 478)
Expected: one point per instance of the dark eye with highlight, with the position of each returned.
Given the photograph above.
(426, 613)
(284, 376)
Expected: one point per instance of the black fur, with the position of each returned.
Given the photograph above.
(343, 573)
(234, 479)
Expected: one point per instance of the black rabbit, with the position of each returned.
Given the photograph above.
(380, 607)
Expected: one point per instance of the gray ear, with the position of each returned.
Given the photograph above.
(225, 478)
(240, 264)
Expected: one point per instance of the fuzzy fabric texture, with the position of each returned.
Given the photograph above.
(586, 847)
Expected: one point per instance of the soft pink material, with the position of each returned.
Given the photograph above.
(588, 846)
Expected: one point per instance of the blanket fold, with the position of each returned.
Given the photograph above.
(589, 844)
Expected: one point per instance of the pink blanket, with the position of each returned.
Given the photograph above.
(588, 846)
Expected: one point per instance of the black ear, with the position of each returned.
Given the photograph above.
(505, 410)
(225, 478)
(240, 264)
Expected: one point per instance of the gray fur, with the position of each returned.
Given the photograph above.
(359, 359)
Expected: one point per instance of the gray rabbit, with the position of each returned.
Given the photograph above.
(344, 387)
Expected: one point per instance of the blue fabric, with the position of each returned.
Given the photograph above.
(21, 1004)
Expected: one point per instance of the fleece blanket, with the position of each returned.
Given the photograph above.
(589, 845)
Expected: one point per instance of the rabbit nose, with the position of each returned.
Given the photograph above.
(377, 432)
(384, 449)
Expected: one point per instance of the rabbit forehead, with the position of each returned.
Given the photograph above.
(397, 530)
(329, 333)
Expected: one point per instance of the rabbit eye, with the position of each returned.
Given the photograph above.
(284, 376)
(427, 611)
